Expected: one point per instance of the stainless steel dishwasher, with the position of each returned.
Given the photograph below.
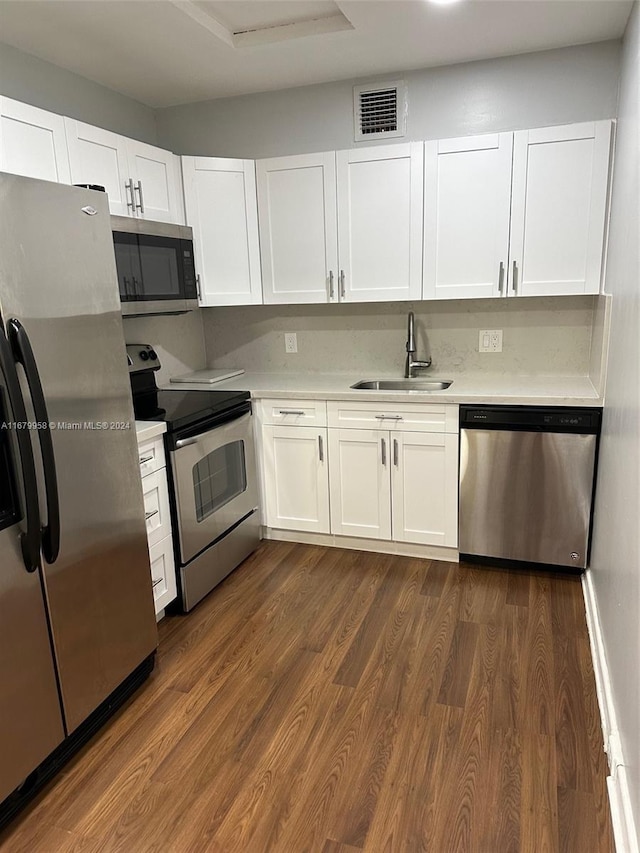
(526, 483)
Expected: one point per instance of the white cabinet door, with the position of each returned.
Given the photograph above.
(296, 482)
(380, 223)
(32, 142)
(221, 207)
(163, 574)
(298, 232)
(98, 156)
(360, 483)
(157, 182)
(559, 208)
(425, 488)
(467, 200)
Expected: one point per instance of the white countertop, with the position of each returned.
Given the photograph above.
(470, 388)
(149, 429)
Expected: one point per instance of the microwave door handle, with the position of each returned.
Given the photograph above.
(23, 354)
(30, 540)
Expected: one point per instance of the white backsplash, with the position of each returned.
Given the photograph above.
(541, 336)
(179, 341)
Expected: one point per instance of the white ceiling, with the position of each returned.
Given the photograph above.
(166, 52)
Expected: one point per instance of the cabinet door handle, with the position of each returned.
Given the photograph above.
(320, 448)
(128, 186)
(140, 206)
(199, 291)
(331, 289)
(384, 451)
(342, 288)
(149, 515)
(514, 278)
(395, 452)
(501, 277)
(289, 412)
(144, 459)
(389, 417)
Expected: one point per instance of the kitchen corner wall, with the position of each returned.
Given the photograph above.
(179, 341)
(540, 336)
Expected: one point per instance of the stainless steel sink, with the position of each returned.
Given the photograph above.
(403, 384)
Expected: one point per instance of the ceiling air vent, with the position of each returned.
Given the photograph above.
(380, 110)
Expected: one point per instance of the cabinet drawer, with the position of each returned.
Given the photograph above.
(416, 417)
(156, 506)
(151, 456)
(295, 412)
(163, 573)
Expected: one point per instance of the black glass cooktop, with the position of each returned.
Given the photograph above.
(182, 408)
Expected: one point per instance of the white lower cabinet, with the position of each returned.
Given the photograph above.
(297, 483)
(396, 484)
(155, 492)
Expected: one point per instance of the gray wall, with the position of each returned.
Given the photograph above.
(541, 336)
(178, 340)
(28, 79)
(531, 90)
(615, 562)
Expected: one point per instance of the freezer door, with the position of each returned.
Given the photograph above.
(58, 278)
(526, 495)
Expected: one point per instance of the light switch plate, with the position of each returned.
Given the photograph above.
(490, 340)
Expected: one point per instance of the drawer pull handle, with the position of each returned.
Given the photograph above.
(290, 412)
(389, 417)
(156, 581)
(144, 459)
(149, 515)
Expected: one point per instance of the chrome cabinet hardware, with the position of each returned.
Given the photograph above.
(198, 286)
(501, 277)
(149, 515)
(389, 417)
(290, 412)
(144, 459)
(128, 186)
(342, 287)
(395, 452)
(514, 278)
(384, 451)
(156, 581)
(320, 448)
(140, 206)
(331, 289)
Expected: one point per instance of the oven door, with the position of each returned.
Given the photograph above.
(214, 477)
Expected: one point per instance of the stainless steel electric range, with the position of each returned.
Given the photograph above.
(212, 474)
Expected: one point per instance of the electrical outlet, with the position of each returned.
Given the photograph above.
(490, 340)
(290, 342)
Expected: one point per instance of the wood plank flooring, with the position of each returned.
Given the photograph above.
(337, 701)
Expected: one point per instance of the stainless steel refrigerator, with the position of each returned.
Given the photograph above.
(77, 621)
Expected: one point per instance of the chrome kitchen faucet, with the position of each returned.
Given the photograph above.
(412, 365)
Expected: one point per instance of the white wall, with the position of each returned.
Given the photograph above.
(531, 90)
(542, 336)
(179, 341)
(615, 572)
(28, 79)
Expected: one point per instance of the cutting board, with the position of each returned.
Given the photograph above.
(208, 376)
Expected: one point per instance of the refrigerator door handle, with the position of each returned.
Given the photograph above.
(23, 354)
(30, 540)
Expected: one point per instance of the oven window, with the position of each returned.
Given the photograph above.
(219, 478)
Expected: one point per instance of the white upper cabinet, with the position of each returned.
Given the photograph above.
(32, 142)
(221, 207)
(298, 231)
(559, 209)
(140, 179)
(342, 227)
(380, 223)
(467, 194)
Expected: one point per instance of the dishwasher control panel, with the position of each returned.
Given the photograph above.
(534, 418)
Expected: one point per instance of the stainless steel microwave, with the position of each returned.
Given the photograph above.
(155, 264)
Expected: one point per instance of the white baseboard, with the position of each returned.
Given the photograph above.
(378, 546)
(624, 829)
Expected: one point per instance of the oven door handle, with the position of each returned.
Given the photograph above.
(185, 442)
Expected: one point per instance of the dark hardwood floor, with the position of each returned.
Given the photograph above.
(338, 701)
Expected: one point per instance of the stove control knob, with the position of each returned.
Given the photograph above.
(144, 355)
(153, 355)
